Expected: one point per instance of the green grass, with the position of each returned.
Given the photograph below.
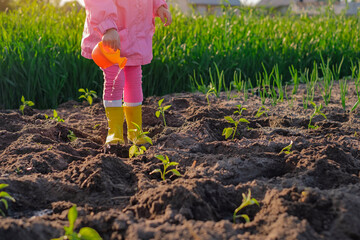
(40, 51)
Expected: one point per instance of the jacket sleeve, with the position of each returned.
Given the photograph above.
(102, 14)
(157, 4)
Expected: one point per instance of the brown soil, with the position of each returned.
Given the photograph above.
(312, 193)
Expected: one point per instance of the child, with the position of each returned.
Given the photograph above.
(127, 25)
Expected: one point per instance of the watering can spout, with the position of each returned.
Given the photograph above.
(105, 57)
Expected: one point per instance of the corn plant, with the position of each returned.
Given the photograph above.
(310, 84)
(24, 104)
(295, 79)
(355, 74)
(287, 149)
(136, 150)
(343, 92)
(227, 132)
(328, 81)
(85, 233)
(71, 136)
(278, 81)
(166, 164)
(4, 196)
(55, 117)
(88, 95)
(161, 110)
(201, 87)
(237, 82)
(246, 201)
(317, 111)
(355, 105)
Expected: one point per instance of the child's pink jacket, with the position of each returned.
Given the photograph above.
(134, 21)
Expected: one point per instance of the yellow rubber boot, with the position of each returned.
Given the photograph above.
(134, 114)
(115, 117)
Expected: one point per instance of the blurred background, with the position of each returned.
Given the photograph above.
(232, 43)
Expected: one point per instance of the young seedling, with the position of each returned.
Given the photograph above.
(4, 196)
(343, 92)
(328, 81)
(317, 111)
(71, 136)
(287, 149)
(88, 95)
(227, 132)
(247, 201)
(56, 117)
(260, 111)
(355, 105)
(212, 91)
(85, 233)
(136, 150)
(166, 164)
(161, 110)
(24, 104)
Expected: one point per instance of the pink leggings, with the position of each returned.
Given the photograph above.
(123, 84)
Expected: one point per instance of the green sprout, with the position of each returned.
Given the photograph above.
(287, 149)
(317, 111)
(88, 95)
(355, 105)
(261, 111)
(212, 91)
(227, 132)
(162, 110)
(166, 164)
(56, 117)
(71, 136)
(247, 201)
(85, 233)
(343, 92)
(95, 126)
(136, 150)
(24, 104)
(4, 196)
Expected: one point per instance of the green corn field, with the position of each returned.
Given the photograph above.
(40, 50)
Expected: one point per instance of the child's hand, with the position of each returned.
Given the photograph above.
(164, 14)
(111, 39)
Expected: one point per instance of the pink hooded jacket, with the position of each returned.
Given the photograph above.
(134, 21)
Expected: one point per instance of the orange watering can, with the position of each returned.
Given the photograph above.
(105, 57)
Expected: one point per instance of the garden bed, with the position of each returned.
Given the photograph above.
(311, 193)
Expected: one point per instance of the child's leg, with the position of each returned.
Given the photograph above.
(133, 97)
(114, 81)
(113, 91)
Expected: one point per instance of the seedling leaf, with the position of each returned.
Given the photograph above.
(148, 140)
(155, 171)
(87, 233)
(3, 185)
(5, 203)
(243, 120)
(227, 132)
(355, 105)
(167, 107)
(157, 114)
(176, 172)
(229, 119)
(72, 216)
(132, 151)
(246, 217)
